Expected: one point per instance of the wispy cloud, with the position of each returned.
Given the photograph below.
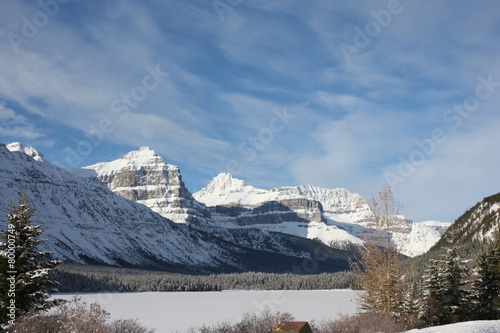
(353, 122)
(13, 124)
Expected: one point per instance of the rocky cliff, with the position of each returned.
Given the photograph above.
(144, 177)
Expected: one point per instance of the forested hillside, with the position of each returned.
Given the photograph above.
(471, 232)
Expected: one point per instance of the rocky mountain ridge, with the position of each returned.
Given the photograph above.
(336, 217)
(86, 222)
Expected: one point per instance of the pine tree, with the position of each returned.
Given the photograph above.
(486, 289)
(455, 297)
(433, 290)
(411, 309)
(25, 284)
(446, 299)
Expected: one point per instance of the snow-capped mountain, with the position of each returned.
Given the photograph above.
(121, 213)
(338, 204)
(296, 210)
(86, 222)
(336, 217)
(143, 176)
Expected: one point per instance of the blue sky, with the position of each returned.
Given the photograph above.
(331, 93)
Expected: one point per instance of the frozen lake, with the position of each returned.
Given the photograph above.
(178, 311)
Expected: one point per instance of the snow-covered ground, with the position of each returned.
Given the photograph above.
(178, 311)
(480, 326)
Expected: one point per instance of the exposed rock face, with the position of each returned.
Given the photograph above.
(144, 177)
(272, 212)
(232, 200)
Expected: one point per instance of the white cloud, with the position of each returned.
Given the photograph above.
(18, 126)
(170, 139)
(351, 150)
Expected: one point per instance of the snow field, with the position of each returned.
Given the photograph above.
(178, 311)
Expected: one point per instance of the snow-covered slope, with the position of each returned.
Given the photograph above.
(340, 218)
(420, 238)
(480, 326)
(480, 221)
(86, 222)
(143, 176)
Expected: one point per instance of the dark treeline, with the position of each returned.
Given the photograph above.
(86, 278)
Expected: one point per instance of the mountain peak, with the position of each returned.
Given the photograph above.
(143, 152)
(133, 160)
(227, 183)
(224, 188)
(30, 151)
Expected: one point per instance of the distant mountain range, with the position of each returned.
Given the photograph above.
(336, 217)
(137, 212)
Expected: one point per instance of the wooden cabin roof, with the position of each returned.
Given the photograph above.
(294, 326)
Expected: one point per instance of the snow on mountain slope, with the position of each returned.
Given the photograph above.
(420, 239)
(437, 225)
(86, 222)
(300, 211)
(30, 151)
(144, 177)
(473, 229)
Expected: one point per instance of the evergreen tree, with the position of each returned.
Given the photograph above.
(411, 309)
(486, 289)
(24, 270)
(446, 300)
(433, 289)
(455, 297)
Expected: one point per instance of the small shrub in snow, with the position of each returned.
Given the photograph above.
(76, 316)
(368, 322)
(266, 321)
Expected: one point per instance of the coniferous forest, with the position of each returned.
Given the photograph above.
(86, 278)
